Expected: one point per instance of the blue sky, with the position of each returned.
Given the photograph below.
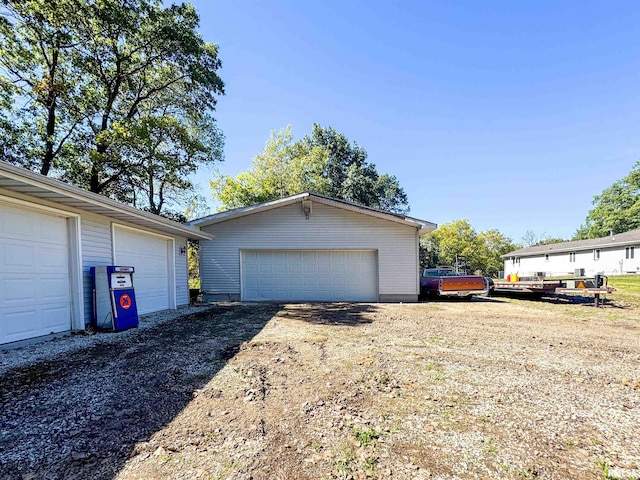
(512, 115)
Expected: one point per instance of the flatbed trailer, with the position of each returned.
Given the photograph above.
(596, 292)
(527, 286)
(571, 285)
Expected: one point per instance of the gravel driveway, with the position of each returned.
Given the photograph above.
(484, 389)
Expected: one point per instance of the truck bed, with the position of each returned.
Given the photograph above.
(445, 284)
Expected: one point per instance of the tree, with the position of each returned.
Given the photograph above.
(38, 81)
(530, 239)
(493, 245)
(483, 251)
(103, 81)
(324, 163)
(616, 209)
(162, 153)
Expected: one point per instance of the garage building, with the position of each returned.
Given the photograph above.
(52, 233)
(309, 247)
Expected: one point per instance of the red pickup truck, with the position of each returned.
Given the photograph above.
(439, 282)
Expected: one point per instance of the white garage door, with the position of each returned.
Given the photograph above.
(148, 254)
(309, 275)
(35, 293)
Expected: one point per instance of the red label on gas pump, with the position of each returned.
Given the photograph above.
(125, 301)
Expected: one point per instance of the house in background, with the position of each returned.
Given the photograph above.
(613, 255)
(309, 247)
(51, 233)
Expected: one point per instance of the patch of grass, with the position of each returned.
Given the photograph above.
(366, 437)
(604, 466)
(528, 473)
(627, 288)
(343, 465)
(370, 466)
(491, 447)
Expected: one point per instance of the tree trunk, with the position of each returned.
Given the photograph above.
(51, 101)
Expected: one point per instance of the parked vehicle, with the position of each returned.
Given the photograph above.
(490, 286)
(444, 282)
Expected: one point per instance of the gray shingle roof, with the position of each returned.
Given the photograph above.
(626, 238)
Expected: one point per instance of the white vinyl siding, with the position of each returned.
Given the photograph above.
(96, 251)
(182, 272)
(328, 228)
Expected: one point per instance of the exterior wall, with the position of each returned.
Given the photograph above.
(327, 228)
(96, 249)
(612, 262)
(182, 272)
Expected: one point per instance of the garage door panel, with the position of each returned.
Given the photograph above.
(22, 256)
(19, 288)
(308, 275)
(18, 324)
(52, 319)
(52, 258)
(18, 224)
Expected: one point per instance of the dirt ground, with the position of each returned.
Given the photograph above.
(487, 389)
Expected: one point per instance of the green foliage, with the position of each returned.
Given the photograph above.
(37, 81)
(627, 288)
(324, 162)
(113, 96)
(193, 260)
(482, 250)
(616, 209)
(366, 436)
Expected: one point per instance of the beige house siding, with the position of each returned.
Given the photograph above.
(327, 228)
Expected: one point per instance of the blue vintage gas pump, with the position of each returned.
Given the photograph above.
(114, 300)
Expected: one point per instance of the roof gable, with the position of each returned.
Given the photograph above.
(422, 225)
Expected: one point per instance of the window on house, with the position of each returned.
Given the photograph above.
(596, 254)
(546, 257)
(572, 256)
(629, 252)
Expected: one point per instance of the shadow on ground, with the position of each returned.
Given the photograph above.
(80, 416)
(349, 314)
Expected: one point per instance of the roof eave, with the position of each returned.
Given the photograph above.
(571, 249)
(46, 188)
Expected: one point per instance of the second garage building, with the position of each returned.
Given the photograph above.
(308, 247)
